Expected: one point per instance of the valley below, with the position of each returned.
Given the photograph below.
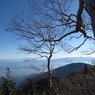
(70, 76)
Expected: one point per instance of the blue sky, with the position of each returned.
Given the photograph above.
(8, 9)
(8, 46)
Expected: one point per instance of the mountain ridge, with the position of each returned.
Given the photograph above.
(26, 67)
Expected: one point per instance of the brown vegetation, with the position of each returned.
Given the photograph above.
(82, 83)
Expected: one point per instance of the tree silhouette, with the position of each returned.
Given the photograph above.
(8, 86)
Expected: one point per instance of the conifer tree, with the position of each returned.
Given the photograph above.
(8, 86)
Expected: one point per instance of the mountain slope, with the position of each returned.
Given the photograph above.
(69, 69)
(81, 83)
(63, 70)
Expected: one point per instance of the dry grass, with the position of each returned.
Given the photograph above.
(82, 83)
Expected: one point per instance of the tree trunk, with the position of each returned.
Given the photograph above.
(90, 8)
(49, 70)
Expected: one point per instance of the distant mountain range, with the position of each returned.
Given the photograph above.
(22, 67)
(71, 76)
(62, 71)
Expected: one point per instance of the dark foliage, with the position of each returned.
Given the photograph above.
(82, 83)
(8, 87)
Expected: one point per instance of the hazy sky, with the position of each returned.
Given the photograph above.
(8, 46)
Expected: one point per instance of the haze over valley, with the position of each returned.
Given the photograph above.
(21, 67)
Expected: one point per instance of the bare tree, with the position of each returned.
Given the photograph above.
(38, 40)
(58, 12)
(90, 8)
(48, 26)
